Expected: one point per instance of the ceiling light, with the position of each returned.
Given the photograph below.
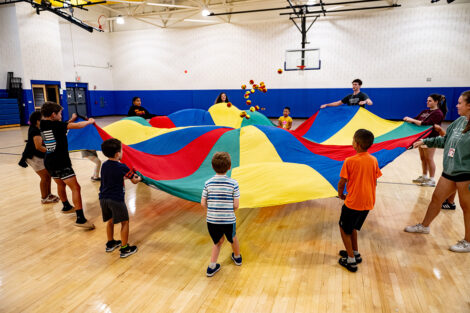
(120, 20)
(205, 12)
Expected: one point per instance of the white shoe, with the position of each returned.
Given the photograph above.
(418, 180)
(430, 182)
(418, 228)
(461, 246)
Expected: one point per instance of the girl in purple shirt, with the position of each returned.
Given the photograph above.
(433, 115)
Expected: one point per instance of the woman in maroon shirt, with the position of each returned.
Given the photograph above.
(433, 115)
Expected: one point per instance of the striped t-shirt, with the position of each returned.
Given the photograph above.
(220, 191)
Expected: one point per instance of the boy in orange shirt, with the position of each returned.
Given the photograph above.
(360, 173)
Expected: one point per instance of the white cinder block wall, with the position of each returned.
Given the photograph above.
(10, 51)
(394, 48)
(86, 55)
(41, 51)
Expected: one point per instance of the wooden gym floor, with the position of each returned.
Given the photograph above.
(289, 252)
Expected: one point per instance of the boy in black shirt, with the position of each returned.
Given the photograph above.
(57, 160)
(112, 203)
(356, 98)
(138, 110)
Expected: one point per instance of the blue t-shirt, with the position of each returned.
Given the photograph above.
(112, 180)
(220, 191)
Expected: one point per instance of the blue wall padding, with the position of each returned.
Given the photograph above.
(389, 103)
(9, 112)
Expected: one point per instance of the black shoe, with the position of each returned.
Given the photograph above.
(448, 206)
(68, 210)
(211, 271)
(127, 250)
(344, 254)
(237, 261)
(112, 245)
(352, 267)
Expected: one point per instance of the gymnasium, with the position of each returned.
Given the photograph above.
(273, 83)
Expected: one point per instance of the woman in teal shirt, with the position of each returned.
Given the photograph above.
(456, 174)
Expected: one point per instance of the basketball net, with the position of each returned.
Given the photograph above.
(301, 69)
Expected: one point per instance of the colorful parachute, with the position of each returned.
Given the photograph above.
(273, 166)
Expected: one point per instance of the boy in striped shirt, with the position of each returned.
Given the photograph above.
(221, 198)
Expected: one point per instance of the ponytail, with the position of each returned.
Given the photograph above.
(441, 102)
(466, 98)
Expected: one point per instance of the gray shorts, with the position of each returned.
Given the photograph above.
(112, 209)
(89, 153)
(36, 163)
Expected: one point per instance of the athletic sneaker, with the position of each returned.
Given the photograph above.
(344, 254)
(211, 271)
(127, 250)
(88, 225)
(430, 182)
(352, 267)
(237, 261)
(50, 199)
(113, 245)
(418, 180)
(418, 228)
(448, 206)
(68, 210)
(461, 246)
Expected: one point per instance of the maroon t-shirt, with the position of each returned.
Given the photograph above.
(431, 117)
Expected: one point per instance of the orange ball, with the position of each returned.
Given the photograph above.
(252, 82)
(246, 96)
(261, 84)
(256, 107)
(243, 86)
(243, 114)
(229, 104)
(279, 71)
(248, 102)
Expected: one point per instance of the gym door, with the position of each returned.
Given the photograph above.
(76, 101)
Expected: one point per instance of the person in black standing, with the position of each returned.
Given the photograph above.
(33, 156)
(356, 98)
(57, 159)
(138, 110)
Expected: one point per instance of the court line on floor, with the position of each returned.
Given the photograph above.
(12, 146)
(7, 153)
(394, 183)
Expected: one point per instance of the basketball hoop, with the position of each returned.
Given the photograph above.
(301, 67)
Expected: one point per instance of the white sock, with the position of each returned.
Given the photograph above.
(236, 256)
(355, 252)
(212, 265)
(425, 176)
(431, 179)
(351, 260)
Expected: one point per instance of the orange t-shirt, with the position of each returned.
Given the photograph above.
(361, 171)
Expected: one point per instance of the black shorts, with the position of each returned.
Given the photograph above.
(112, 209)
(352, 219)
(457, 178)
(217, 231)
(63, 173)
